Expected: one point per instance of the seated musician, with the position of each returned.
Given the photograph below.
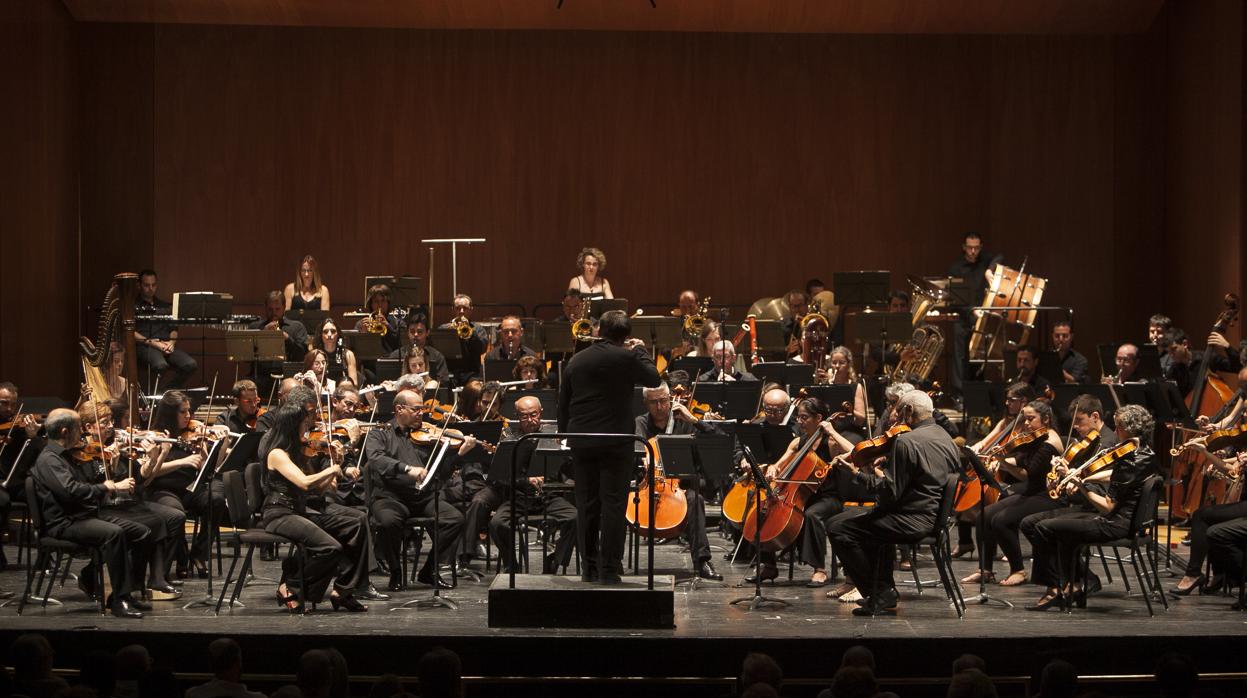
(417, 362)
(397, 464)
(1127, 361)
(1027, 363)
(156, 340)
(510, 341)
(167, 478)
(690, 344)
(1157, 325)
(315, 373)
(591, 262)
(1231, 412)
(813, 349)
(1056, 535)
(379, 306)
(417, 337)
(724, 356)
(293, 333)
(908, 484)
(798, 307)
(571, 307)
(1017, 396)
(307, 292)
(1227, 463)
(826, 501)
(558, 510)
(1073, 364)
(17, 427)
(1226, 533)
(1179, 362)
(530, 368)
(71, 505)
(335, 540)
(473, 348)
(478, 402)
(166, 524)
(265, 421)
(1029, 464)
(241, 417)
(665, 417)
(887, 418)
(340, 361)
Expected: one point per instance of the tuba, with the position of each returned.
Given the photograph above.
(925, 346)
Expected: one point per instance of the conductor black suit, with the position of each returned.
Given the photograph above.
(595, 396)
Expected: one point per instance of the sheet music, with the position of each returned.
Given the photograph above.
(209, 465)
(431, 470)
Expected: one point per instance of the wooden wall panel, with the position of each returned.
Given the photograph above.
(39, 293)
(737, 164)
(1204, 161)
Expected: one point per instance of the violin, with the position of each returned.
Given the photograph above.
(251, 421)
(1073, 453)
(1016, 441)
(1102, 461)
(437, 411)
(865, 452)
(1217, 440)
(699, 410)
(428, 435)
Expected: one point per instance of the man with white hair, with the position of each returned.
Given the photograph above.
(908, 484)
(724, 356)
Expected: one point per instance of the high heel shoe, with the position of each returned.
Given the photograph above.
(1214, 585)
(350, 603)
(1179, 591)
(768, 573)
(1048, 601)
(291, 602)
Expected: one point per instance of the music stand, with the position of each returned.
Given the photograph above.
(436, 600)
(733, 400)
(1049, 367)
(483, 431)
(255, 345)
(556, 338)
(210, 469)
(694, 366)
(784, 373)
(367, 346)
(972, 458)
(499, 369)
(962, 292)
(602, 305)
(312, 318)
(834, 395)
(882, 329)
(982, 399)
(404, 290)
(290, 368)
(389, 369)
(1149, 363)
(861, 287)
(660, 331)
(755, 602)
(447, 342)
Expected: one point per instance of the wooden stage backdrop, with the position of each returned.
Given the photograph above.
(737, 164)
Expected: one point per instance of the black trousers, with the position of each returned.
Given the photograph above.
(165, 525)
(483, 502)
(865, 544)
(1225, 547)
(1055, 537)
(1002, 521)
(5, 506)
(336, 542)
(558, 511)
(1201, 521)
(207, 500)
(118, 539)
(389, 515)
(602, 476)
(157, 362)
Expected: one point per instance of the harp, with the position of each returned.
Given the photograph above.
(116, 325)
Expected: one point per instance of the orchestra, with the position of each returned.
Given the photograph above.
(349, 460)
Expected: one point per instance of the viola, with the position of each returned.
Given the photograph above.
(428, 435)
(865, 452)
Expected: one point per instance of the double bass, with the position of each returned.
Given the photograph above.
(1209, 393)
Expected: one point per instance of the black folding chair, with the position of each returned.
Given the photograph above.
(244, 494)
(62, 549)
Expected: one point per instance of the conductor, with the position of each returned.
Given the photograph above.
(595, 396)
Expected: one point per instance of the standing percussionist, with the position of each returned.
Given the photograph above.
(595, 397)
(398, 465)
(908, 484)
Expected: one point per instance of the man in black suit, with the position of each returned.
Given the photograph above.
(595, 396)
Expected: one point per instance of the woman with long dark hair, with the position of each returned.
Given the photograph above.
(335, 544)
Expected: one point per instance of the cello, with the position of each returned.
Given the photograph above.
(670, 504)
(1209, 393)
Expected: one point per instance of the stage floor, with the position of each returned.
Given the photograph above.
(709, 638)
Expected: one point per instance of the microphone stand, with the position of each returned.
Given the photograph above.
(982, 598)
(760, 484)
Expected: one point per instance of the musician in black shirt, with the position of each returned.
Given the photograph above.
(663, 417)
(1027, 363)
(558, 511)
(243, 415)
(418, 336)
(397, 466)
(1073, 364)
(724, 356)
(1107, 515)
(156, 340)
(294, 336)
(379, 305)
(510, 341)
(908, 484)
(975, 267)
(20, 444)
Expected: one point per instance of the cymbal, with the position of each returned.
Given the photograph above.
(770, 309)
(825, 302)
(920, 285)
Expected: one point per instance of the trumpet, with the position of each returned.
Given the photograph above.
(462, 327)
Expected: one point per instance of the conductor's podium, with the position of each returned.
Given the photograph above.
(551, 601)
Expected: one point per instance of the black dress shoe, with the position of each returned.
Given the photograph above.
(396, 584)
(610, 579)
(589, 576)
(86, 582)
(372, 594)
(436, 581)
(706, 571)
(882, 603)
(347, 603)
(768, 572)
(121, 608)
(139, 603)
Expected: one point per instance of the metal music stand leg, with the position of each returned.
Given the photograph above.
(436, 600)
(756, 601)
(208, 600)
(982, 598)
